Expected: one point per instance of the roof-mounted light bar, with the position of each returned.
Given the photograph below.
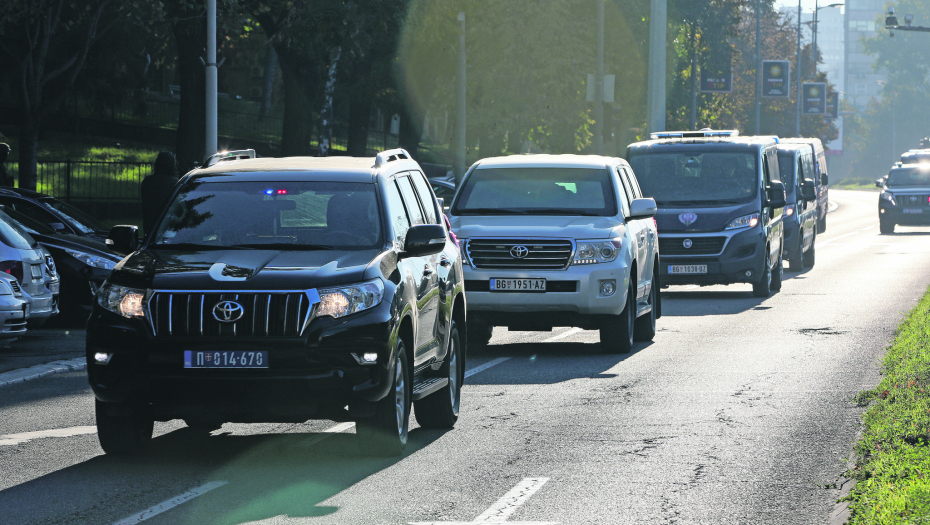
(391, 155)
(700, 134)
(226, 156)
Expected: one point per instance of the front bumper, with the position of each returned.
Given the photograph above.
(740, 261)
(311, 376)
(897, 215)
(13, 315)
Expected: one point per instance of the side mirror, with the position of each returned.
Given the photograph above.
(776, 195)
(424, 239)
(824, 180)
(808, 192)
(879, 183)
(123, 239)
(642, 209)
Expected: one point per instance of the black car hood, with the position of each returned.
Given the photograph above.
(79, 243)
(242, 269)
(705, 219)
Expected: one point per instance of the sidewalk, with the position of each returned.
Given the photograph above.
(45, 345)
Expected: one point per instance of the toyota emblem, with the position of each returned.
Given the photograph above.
(914, 199)
(519, 252)
(687, 218)
(228, 311)
(687, 243)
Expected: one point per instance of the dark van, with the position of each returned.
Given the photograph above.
(796, 166)
(821, 179)
(720, 206)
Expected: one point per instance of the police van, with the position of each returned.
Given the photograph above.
(720, 207)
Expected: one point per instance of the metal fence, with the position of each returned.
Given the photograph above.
(89, 180)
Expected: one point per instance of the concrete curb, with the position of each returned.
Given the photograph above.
(832, 206)
(35, 372)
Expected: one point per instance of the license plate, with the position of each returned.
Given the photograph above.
(518, 285)
(54, 288)
(687, 268)
(913, 210)
(36, 272)
(225, 359)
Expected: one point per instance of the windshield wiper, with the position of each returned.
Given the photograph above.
(187, 246)
(283, 246)
(558, 211)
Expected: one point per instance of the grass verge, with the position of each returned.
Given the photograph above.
(854, 183)
(893, 472)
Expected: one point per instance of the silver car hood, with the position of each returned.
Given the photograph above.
(529, 226)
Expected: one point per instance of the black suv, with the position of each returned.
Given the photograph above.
(905, 197)
(282, 290)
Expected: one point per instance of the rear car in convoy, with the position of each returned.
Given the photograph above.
(821, 178)
(905, 197)
(796, 167)
(281, 290)
(558, 240)
(720, 205)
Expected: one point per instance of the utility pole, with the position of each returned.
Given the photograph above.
(655, 116)
(797, 88)
(599, 83)
(758, 104)
(458, 170)
(211, 79)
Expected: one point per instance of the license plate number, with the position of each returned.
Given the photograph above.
(913, 210)
(225, 359)
(687, 268)
(518, 285)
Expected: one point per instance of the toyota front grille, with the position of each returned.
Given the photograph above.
(229, 314)
(520, 254)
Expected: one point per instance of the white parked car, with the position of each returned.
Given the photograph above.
(558, 240)
(14, 308)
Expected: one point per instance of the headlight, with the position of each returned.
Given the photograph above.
(888, 197)
(747, 221)
(344, 300)
(598, 251)
(121, 300)
(789, 210)
(93, 261)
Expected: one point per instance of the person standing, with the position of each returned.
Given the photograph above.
(6, 179)
(157, 187)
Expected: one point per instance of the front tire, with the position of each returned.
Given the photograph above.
(123, 435)
(763, 287)
(797, 262)
(644, 328)
(885, 227)
(441, 408)
(810, 258)
(617, 331)
(778, 273)
(385, 433)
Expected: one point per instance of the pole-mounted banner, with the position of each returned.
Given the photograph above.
(814, 98)
(776, 78)
(716, 81)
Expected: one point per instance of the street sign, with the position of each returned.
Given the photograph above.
(776, 78)
(716, 82)
(814, 98)
(608, 89)
(833, 102)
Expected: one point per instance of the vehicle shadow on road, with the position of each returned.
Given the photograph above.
(266, 475)
(699, 303)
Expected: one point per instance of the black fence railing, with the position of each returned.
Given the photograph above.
(89, 180)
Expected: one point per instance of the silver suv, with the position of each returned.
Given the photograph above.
(558, 240)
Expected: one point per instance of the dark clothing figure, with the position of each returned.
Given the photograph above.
(5, 178)
(157, 187)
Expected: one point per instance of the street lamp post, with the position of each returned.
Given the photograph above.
(817, 8)
(891, 23)
(894, 145)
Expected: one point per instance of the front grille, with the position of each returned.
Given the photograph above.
(699, 245)
(274, 314)
(541, 254)
(912, 201)
(474, 285)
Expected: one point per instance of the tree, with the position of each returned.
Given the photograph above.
(47, 43)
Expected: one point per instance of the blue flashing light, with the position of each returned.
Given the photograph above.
(269, 192)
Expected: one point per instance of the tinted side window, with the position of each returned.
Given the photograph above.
(396, 212)
(410, 200)
(634, 185)
(766, 174)
(426, 196)
(33, 211)
(808, 164)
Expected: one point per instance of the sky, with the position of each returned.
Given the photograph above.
(806, 5)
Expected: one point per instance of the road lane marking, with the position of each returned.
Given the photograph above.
(823, 243)
(16, 439)
(504, 508)
(563, 335)
(171, 503)
(482, 368)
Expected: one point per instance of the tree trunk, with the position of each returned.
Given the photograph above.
(359, 122)
(190, 37)
(298, 103)
(271, 67)
(409, 133)
(28, 154)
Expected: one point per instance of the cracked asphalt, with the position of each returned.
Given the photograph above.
(740, 411)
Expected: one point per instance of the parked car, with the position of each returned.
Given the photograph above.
(14, 308)
(22, 257)
(558, 240)
(905, 197)
(83, 263)
(796, 167)
(720, 206)
(821, 178)
(444, 189)
(280, 290)
(54, 213)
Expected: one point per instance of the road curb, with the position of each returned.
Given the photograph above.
(832, 206)
(35, 372)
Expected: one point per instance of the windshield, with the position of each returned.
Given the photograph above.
(908, 177)
(786, 166)
(537, 191)
(277, 215)
(28, 223)
(76, 217)
(13, 235)
(697, 177)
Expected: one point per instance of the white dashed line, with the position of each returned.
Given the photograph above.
(171, 503)
(563, 335)
(824, 243)
(504, 508)
(482, 368)
(16, 439)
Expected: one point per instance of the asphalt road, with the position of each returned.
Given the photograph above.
(740, 411)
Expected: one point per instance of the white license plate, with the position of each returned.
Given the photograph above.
(36, 272)
(913, 210)
(687, 268)
(518, 285)
(225, 359)
(54, 288)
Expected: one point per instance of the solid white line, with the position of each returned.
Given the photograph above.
(171, 503)
(822, 243)
(16, 439)
(482, 368)
(511, 501)
(563, 335)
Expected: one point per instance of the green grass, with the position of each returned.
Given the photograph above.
(67, 146)
(893, 472)
(854, 183)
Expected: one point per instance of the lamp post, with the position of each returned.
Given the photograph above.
(817, 8)
(894, 146)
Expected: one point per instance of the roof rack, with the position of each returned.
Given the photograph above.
(391, 155)
(226, 156)
(703, 133)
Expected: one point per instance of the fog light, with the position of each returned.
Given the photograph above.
(882, 210)
(748, 273)
(368, 358)
(608, 287)
(102, 358)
